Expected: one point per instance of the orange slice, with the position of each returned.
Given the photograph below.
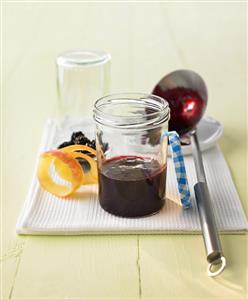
(73, 169)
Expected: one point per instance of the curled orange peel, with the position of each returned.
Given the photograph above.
(89, 177)
(74, 148)
(93, 168)
(74, 171)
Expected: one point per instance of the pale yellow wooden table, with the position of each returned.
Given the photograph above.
(146, 40)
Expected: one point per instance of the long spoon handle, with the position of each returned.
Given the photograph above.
(206, 214)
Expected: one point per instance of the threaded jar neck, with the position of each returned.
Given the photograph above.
(131, 111)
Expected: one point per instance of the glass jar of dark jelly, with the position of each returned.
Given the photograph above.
(131, 153)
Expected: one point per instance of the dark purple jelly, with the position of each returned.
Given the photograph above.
(131, 186)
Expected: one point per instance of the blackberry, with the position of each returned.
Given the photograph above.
(79, 138)
(93, 144)
(64, 144)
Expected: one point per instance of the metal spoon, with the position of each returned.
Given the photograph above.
(186, 93)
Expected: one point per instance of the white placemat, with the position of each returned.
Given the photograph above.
(45, 214)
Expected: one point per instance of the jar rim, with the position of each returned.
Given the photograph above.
(156, 110)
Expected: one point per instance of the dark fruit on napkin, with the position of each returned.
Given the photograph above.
(65, 144)
(187, 107)
(79, 138)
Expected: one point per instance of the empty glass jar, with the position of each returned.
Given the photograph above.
(82, 77)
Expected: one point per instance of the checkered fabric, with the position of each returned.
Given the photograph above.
(176, 152)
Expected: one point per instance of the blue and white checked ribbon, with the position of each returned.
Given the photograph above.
(176, 152)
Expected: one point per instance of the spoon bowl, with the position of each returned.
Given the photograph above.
(186, 93)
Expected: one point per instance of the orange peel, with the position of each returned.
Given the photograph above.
(89, 177)
(74, 148)
(74, 172)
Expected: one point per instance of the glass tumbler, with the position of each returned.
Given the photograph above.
(131, 153)
(82, 77)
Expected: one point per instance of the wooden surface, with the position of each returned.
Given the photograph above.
(146, 40)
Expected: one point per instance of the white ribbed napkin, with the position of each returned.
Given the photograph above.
(45, 214)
